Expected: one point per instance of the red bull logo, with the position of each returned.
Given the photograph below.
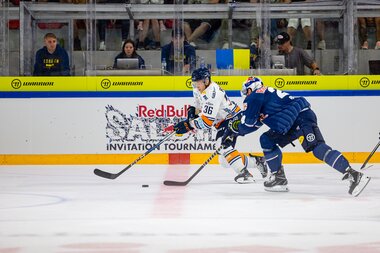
(168, 111)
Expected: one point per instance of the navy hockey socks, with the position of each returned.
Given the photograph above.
(332, 157)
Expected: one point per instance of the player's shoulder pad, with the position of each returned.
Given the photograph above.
(261, 90)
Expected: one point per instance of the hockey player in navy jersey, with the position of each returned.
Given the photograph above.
(289, 118)
(213, 108)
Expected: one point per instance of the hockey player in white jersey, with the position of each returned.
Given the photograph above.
(213, 108)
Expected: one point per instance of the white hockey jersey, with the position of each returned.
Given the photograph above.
(214, 107)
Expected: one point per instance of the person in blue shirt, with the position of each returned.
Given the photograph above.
(188, 57)
(129, 51)
(288, 118)
(52, 59)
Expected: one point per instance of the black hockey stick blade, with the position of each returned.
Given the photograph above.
(108, 175)
(175, 183)
(105, 174)
(184, 183)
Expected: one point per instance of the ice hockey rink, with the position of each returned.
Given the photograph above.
(67, 209)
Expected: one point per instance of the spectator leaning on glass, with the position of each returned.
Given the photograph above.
(52, 59)
(295, 57)
(129, 51)
(188, 56)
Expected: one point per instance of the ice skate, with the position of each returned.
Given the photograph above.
(358, 181)
(260, 164)
(244, 177)
(277, 182)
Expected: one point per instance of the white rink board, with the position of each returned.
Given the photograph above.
(79, 125)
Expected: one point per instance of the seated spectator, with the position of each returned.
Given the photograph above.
(102, 24)
(52, 59)
(129, 51)
(295, 57)
(363, 32)
(205, 29)
(188, 57)
(293, 24)
(143, 28)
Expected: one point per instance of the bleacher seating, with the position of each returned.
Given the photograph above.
(340, 57)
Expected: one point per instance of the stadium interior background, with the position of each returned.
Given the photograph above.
(22, 28)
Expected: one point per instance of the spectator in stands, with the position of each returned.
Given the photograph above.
(363, 32)
(295, 57)
(143, 28)
(128, 50)
(293, 24)
(205, 29)
(275, 24)
(52, 59)
(76, 25)
(321, 35)
(188, 57)
(102, 24)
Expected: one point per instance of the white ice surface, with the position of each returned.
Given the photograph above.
(67, 209)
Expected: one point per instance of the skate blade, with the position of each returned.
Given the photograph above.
(242, 181)
(363, 183)
(277, 188)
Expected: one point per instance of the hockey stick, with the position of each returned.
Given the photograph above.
(370, 155)
(184, 183)
(109, 175)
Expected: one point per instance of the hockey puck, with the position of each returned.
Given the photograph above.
(145, 185)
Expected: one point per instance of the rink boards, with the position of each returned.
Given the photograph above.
(92, 121)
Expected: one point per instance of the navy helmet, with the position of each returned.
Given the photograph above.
(200, 74)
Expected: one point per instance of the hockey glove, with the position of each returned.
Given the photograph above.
(183, 127)
(191, 113)
(228, 139)
(232, 131)
(233, 125)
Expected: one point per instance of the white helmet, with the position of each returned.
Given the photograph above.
(252, 83)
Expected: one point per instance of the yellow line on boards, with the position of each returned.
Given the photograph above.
(195, 158)
(81, 159)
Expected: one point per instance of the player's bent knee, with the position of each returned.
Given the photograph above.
(266, 142)
(311, 137)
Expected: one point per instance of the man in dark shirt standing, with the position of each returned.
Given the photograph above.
(188, 57)
(52, 59)
(295, 57)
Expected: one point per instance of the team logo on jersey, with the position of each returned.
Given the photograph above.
(213, 93)
(310, 137)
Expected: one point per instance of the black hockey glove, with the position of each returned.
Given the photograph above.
(191, 113)
(233, 125)
(183, 127)
(231, 133)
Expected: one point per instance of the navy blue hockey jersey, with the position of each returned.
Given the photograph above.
(275, 108)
